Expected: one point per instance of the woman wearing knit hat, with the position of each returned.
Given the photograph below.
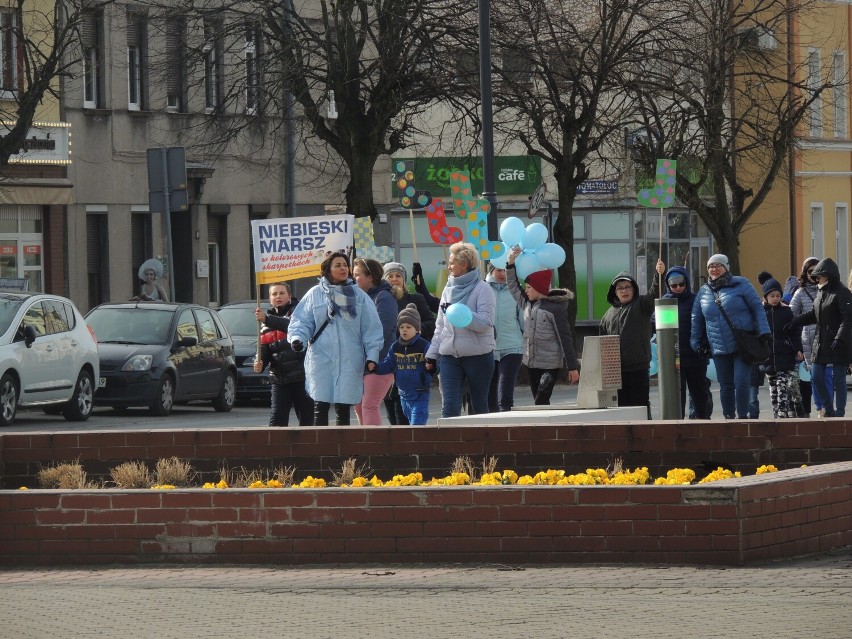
(734, 295)
(548, 342)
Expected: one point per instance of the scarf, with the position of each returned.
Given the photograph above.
(459, 288)
(341, 299)
(719, 282)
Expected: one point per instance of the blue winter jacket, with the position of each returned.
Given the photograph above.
(334, 365)
(685, 300)
(382, 296)
(743, 306)
(408, 364)
(508, 321)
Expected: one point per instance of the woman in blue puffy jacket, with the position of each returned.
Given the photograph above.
(744, 308)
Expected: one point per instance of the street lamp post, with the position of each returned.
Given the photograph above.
(489, 192)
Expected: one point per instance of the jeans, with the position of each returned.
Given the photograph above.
(695, 379)
(635, 389)
(375, 389)
(734, 376)
(321, 413)
(832, 394)
(819, 393)
(753, 402)
(477, 369)
(286, 396)
(416, 407)
(501, 394)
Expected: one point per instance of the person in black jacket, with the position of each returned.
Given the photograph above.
(286, 367)
(832, 314)
(693, 367)
(785, 350)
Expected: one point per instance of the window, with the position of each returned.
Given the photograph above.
(176, 55)
(838, 76)
(815, 111)
(817, 247)
(208, 327)
(186, 325)
(252, 53)
(137, 61)
(841, 217)
(213, 72)
(8, 53)
(93, 75)
(56, 317)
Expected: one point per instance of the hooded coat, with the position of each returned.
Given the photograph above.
(334, 364)
(832, 314)
(743, 306)
(548, 343)
(685, 300)
(631, 322)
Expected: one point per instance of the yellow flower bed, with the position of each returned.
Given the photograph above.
(592, 477)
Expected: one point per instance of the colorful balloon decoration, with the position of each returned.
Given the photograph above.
(459, 315)
(537, 253)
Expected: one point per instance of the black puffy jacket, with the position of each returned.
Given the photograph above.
(285, 365)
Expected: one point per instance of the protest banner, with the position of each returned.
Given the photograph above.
(289, 248)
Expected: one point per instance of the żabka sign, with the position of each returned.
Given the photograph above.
(289, 248)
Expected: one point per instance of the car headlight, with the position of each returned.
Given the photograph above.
(138, 363)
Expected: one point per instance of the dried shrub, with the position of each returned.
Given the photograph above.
(65, 476)
(489, 465)
(463, 464)
(615, 467)
(285, 474)
(242, 477)
(174, 471)
(132, 474)
(348, 472)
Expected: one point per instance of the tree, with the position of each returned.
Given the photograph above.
(40, 46)
(561, 69)
(726, 92)
(361, 71)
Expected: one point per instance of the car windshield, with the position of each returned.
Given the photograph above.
(131, 325)
(239, 320)
(8, 308)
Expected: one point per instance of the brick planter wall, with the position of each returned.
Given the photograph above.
(388, 450)
(732, 522)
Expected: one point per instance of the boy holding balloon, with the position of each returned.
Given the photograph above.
(548, 342)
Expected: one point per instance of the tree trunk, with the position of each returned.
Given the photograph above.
(359, 190)
(563, 235)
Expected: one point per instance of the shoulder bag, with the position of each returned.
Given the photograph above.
(751, 346)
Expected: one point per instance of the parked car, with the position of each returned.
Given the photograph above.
(48, 357)
(157, 354)
(242, 325)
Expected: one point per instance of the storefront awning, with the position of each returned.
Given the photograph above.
(36, 191)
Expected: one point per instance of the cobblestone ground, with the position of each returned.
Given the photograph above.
(806, 598)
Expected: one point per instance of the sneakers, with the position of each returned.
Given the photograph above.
(821, 413)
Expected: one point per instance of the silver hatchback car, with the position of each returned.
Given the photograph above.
(48, 357)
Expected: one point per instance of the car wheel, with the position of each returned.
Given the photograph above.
(227, 396)
(8, 399)
(79, 407)
(165, 400)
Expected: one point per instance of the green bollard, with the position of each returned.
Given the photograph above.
(668, 378)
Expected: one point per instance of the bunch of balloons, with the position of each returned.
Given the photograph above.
(537, 253)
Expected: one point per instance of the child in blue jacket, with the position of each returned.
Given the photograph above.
(406, 359)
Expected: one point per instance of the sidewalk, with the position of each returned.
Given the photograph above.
(809, 597)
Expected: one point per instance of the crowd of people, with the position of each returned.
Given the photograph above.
(359, 338)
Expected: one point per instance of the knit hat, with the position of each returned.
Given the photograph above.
(763, 276)
(540, 281)
(409, 315)
(771, 284)
(395, 267)
(719, 259)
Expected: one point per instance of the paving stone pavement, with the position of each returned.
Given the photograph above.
(803, 598)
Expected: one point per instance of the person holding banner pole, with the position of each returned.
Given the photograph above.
(339, 326)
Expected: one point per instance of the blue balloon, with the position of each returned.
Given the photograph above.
(535, 236)
(654, 366)
(551, 256)
(459, 315)
(711, 371)
(526, 264)
(500, 260)
(512, 231)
